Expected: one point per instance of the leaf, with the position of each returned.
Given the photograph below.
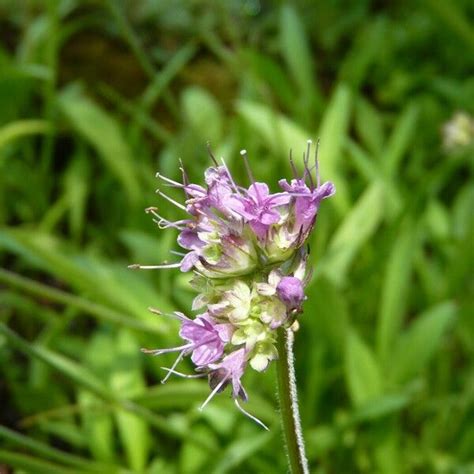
(53, 294)
(367, 45)
(330, 305)
(54, 454)
(296, 52)
(354, 231)
(420, 341)
(111, 284)
(80, 375)
(381, 406)
(203, 113)
(362, 373)
(279, 133)
(399, 140)
(97, 421)
(332, 135)
(240, 450)
(21, 128)
(369, 126)
(103, 132)
(395, 290)
(26, 463)
(126, 378)
(86, 379)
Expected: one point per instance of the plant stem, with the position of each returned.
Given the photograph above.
(289, 410)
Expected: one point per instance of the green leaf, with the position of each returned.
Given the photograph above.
(420, 341)
(31, 464)
(240, 450)
(54, 454)
(103, 132)
(279, 133)
(111, 284)
(369, 126)
(333, 134)
(126, 378)
(330, 305)
(354, 231)
(396, 285)
(400, 139)
(203, 113)
(362, 373)
(296, 52)
(381, 406)
(97, 421)
(80, 375)
(21, 128)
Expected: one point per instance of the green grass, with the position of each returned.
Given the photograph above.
(97, 96)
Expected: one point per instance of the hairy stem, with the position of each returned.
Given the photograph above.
(289, 410)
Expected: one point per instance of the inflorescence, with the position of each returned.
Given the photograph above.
(246, 248)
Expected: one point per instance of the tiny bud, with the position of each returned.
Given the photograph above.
(295, 326)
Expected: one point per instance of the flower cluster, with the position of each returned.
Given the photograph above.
(246, 248)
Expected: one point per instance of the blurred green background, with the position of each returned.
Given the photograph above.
(96, 96)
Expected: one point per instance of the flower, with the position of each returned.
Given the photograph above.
(245, 247)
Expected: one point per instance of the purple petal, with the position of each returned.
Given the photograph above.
(189, 260)
(291, 291)
(258, 191)
(189, 239)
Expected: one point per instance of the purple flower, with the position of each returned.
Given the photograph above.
(246, 250)
(221, 195)
(203, 338)
(306, 201)
(229, 371)
(291, 292)
(259, 208)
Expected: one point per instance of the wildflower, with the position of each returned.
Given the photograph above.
(458, 132)
(245, 247)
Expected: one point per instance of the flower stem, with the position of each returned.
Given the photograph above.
(289, 410)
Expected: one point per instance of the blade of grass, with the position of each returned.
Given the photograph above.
(85, 378)
(395, 290)
(52, 453)
(21, 128)
(354, 231)
(332, 135)
(362, 373)
(38, 466)
(103, 132)
(400, 139)
(421, 340)
(59, 296)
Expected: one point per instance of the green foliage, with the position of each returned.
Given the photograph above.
(97, 96)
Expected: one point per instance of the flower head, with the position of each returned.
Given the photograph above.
(246, 249)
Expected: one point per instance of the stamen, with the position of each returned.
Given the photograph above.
(171, 200)
(213, 393)
(211, 155)
(137, 266)
(168, 180)
(306, 167)
(180, 374)
(316, 164)
(169, 315)
(157, 352)
(293, 167)
(185, 176)
(243, 154)
(230, 176)
(180, 254)
(165, 223)
(176, 362)
(247, 414)
(308, 151)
